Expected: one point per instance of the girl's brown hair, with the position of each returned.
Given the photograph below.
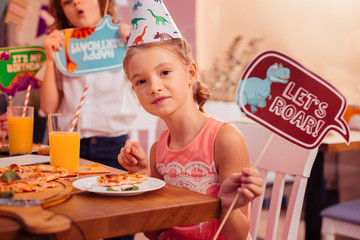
(182, 49)
(62, 22)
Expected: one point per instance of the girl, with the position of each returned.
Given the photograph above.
(196, 152)
(104, 125)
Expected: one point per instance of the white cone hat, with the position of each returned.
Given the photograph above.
(151, 22)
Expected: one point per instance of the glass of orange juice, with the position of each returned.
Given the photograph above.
(21, 125)
(64, 143)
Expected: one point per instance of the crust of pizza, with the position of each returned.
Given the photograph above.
(112, 180)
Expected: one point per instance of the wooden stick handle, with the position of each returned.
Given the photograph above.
(262, 152)
(226, 216)
(106, 7)
(237, 195)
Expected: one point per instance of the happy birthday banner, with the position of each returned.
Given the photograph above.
(18, 66)
(91, 50)
(290, 100)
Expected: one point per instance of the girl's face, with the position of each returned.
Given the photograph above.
(161, 81)
(82, 13)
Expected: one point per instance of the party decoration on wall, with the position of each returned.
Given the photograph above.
(223, 76)
(16, 12)
(151, 22)
(91, 50)
(290, 100)
(18, 66)
(45, 19)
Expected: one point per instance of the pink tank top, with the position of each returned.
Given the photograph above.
(193, 168)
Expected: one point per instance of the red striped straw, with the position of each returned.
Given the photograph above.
(78, 110)
(26, 100)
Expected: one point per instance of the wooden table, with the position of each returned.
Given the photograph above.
(315, 196)
(99, 216)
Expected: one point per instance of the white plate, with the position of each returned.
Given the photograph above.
(28, 159)
(89, 184)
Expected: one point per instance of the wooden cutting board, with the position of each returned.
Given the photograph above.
(36, 219)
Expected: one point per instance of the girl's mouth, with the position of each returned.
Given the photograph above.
(159, 100)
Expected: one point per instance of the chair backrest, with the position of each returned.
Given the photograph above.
(144, 129)
(283, 158)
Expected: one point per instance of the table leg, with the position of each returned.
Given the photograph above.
(314, 199)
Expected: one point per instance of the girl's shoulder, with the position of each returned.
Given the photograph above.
(229, 136)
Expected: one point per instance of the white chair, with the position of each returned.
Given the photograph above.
(144, 129)
(283, 158)
(342, 219)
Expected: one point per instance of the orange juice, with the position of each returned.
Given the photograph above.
(20, 134)
(65, 150)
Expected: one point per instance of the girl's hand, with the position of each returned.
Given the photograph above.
(124, 32)
(133, 157)
(53, 42)
(248, 183)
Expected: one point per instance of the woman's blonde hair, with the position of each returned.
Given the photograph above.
(62, 22)
(183, 50)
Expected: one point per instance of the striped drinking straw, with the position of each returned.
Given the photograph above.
(78, 110)
(26, 100)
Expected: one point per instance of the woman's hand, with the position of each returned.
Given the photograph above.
(3, 126)
(133, 157)
(53, 42)
(124, 32)
(248, 184)
(4, 122)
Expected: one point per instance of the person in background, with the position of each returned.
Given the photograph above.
(109, 107)
(196, 152)
(3, 117)
(3, 126)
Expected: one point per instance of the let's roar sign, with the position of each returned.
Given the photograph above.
(290, 100)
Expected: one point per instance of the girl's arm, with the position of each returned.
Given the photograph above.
(50, 96)
(232, 161)
(153, 169)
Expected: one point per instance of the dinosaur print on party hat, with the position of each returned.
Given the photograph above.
(151, 22)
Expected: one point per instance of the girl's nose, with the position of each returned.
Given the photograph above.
(155, 85)
(76, 2)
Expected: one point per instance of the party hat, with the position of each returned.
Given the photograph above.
(151, 22)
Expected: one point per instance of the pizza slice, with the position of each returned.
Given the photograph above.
(111, 180)
(33, 178)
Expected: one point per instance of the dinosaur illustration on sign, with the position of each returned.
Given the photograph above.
(257, 90)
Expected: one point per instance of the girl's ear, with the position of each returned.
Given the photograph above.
(192, 73)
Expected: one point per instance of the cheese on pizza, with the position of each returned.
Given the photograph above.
(111, 180)
(34, 178)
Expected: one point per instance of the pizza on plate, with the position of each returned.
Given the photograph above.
(111, 180)
(33, 178)
(35, 146)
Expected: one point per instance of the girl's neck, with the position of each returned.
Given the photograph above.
(184, 129)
